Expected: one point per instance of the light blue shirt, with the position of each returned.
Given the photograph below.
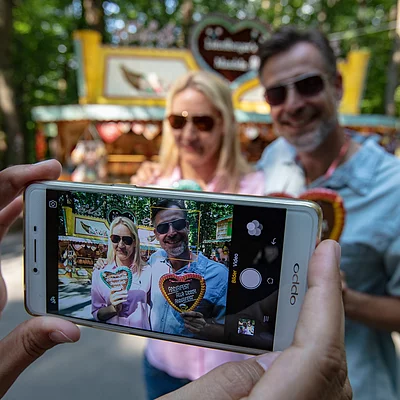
(369, 184)
(163, 317)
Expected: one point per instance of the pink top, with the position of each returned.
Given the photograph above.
(135, 310)
(252, 183)
(196, 361)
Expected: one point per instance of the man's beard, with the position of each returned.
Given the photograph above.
(175, 252)
(310, 141)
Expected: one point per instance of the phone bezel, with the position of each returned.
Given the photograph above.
(287, 314)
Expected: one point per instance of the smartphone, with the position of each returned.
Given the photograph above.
(216, 270)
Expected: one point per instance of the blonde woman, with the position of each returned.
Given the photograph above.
(200, 140)
(200, 145)
(117, 304)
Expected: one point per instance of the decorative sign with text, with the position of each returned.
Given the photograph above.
(183, 292)
(228, 47)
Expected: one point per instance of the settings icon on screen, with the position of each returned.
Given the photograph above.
(254, 228)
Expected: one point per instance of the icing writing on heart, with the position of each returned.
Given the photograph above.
(333, 210)
(120, 279)
(183, 292)
(226, 46)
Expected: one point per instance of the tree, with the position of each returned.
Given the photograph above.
(8, 109)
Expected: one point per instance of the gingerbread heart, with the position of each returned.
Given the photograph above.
(333, 210)
(183, 292)
(120, 279)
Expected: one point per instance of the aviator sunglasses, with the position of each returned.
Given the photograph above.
(127, 240)
(306, 86)
(177, 224)
(204, 123)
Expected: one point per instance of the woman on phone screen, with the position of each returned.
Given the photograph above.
(120, 290)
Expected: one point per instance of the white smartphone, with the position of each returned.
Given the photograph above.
(215, 270)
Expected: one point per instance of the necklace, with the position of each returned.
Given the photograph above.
(335, 163)
(171, 269)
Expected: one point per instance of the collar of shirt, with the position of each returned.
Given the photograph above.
(197, 266)
(357, 173)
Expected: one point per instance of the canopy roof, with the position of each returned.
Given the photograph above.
(107, 112)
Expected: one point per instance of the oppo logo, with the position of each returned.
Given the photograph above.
(294, 290)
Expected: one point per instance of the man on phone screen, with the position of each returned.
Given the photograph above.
(303, 88)
(171, 228)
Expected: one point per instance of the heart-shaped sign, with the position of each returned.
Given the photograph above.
(120, 279)
(227, 46)
(333, 210)
(109, 131)
(183, 292)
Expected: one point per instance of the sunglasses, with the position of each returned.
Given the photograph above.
(127, 240)
(308, 86)
(178, 225)
(204, 123)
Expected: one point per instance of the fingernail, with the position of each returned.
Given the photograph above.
(267, 359)
(338, 252)
(60, 337)
(41, 162)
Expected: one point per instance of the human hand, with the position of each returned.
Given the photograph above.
(313, 368)
(194, 321)
(147, 174)
(100, 263)
(118, 297)
(32, 338)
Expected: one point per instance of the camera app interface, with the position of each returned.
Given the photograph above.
(196, 269)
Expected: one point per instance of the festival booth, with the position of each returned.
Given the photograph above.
(86, 240)
(122, 97)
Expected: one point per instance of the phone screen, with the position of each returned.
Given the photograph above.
(203, 270)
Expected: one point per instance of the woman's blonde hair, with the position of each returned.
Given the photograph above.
(231, 165)
(137, 260)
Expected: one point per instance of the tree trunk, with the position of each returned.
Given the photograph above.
(94, 15)
(8, 109)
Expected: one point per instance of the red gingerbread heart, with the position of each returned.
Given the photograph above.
(183, 292)
(332, 208)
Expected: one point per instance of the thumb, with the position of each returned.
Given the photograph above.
(28, 342)
(230, 381)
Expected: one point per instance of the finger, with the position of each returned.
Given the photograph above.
(191, 329)
(317, 354)
(114, 299)
(28, 342)
(233, 380)
(14, 179)
(9, 214)
(118, 302)
(192, 314)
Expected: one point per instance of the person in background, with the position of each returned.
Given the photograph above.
(304, 88)
(118, 305)
(200, 141)
(200, 146)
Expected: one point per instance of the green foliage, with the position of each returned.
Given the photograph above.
(45, 68)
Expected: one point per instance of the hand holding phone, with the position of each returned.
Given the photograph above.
(39, 334)
(314, 367)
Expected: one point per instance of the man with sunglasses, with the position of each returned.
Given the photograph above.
(303, 88)
(171, 229)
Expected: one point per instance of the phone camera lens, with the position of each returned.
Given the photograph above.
(35, 270)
